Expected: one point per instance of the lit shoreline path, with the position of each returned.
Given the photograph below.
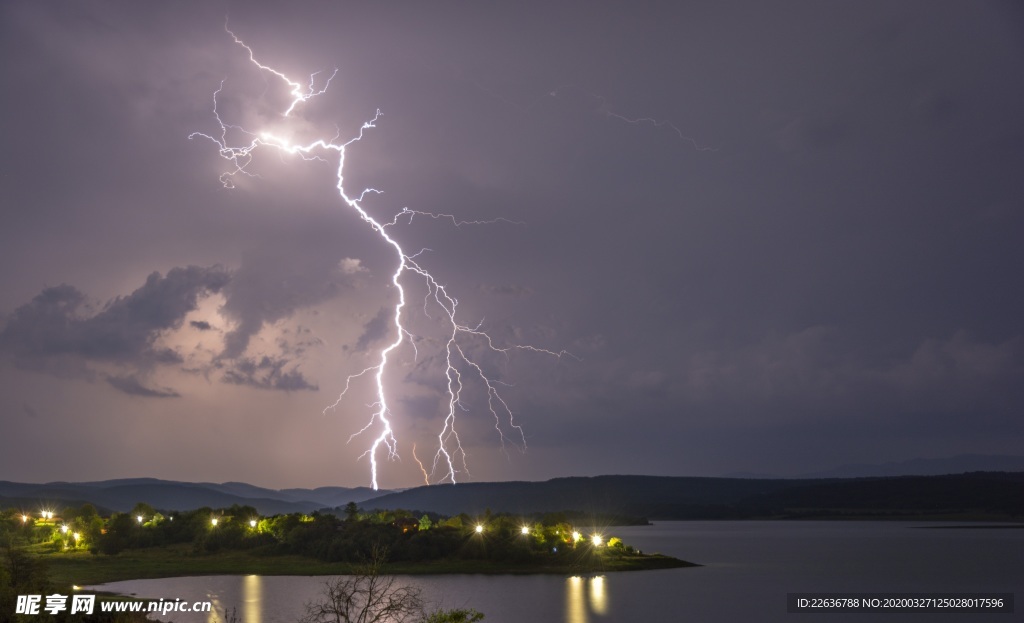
(450, 458)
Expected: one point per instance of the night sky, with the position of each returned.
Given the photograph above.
(777, 237)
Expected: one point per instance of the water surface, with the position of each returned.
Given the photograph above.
(749, 566)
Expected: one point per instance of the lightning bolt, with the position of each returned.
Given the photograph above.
(658, 123)
(426, 476)
(450, 458)
(604, 107)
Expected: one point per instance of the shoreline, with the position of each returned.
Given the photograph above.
(146, 565)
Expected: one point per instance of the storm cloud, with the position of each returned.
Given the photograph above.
(778, 237)
(61, 333)
(59, 324)
(272, 283)
(133, 387)
(267, 373)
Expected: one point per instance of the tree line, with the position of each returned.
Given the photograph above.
(349, 535)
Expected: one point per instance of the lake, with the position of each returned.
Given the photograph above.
(749, 566)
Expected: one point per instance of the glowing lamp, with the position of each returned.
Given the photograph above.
(252, 523)
(64, 529)
(525, 530)
(575, 535)
(596, 540)
(213, 521)
(139, 518)
(76, 536)
(479, 528)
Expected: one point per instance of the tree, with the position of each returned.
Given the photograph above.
(351, 512)
(367, 597)
(86, 513)
(143, 510)
(22, 570)
(425, 523)
(20, 574)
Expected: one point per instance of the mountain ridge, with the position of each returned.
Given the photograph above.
(981, 493)
(989, 494)
(957, 464)
(122, 494)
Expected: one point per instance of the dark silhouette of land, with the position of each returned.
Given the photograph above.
(122, 494)
(988, 495)
(621, 499)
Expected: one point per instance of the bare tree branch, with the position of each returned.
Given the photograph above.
(367, 597)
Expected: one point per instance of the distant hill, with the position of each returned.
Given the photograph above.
(123, 494)
(976, 494)
(959, 464)
(749, 475)
(979, 494)
(333, 496)
(33, 504)
(650, 496)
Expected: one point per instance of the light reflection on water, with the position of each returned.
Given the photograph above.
(583, 597)
(250, 610)
(598, 598)
(252, 599)
(575, 611)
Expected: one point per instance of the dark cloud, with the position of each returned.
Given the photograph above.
(295, 342)
(820, 369)
(58, 324)
(131, 386)
(59, 332)
(273, 282)
(267, 373)
(376, 329)
(964, 374)
(39, 328)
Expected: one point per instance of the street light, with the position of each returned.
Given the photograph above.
(525, 530)
(252, 523)
(597, 540)
(479, 528)
(139, 518)
(64, 529)
(214, 522)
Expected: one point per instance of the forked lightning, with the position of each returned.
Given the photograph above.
(450, 459)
